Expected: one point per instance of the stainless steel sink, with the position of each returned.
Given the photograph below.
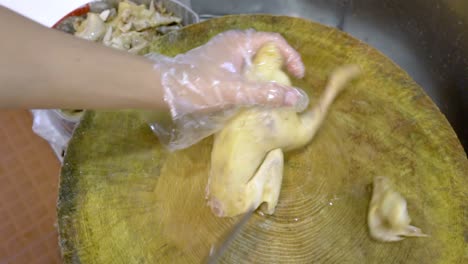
(428, 39)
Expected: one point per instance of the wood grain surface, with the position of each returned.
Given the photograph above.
(124, 199)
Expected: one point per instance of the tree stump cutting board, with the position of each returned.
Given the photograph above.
(125, 199)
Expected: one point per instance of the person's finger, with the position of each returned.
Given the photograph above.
(293, 58)
(270, 94)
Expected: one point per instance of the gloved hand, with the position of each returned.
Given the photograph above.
(205, 86)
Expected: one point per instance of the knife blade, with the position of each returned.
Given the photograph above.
(227, 238)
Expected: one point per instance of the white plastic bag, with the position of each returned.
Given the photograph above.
(54, 128)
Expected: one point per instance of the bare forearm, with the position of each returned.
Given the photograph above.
(44, 68)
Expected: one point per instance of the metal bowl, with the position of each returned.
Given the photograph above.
(65, 24)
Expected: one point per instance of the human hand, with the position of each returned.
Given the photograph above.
(204, 86)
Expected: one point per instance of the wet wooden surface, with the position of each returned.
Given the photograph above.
(125, 199)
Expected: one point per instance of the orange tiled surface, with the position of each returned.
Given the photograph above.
(29, 174)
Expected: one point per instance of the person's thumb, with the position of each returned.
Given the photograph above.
(273, 94)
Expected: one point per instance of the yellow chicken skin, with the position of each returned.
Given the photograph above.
(388, 218)
(247, 155)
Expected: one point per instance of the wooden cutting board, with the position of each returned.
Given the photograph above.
(124, 199)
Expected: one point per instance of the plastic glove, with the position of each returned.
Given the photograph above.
(205, 86)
